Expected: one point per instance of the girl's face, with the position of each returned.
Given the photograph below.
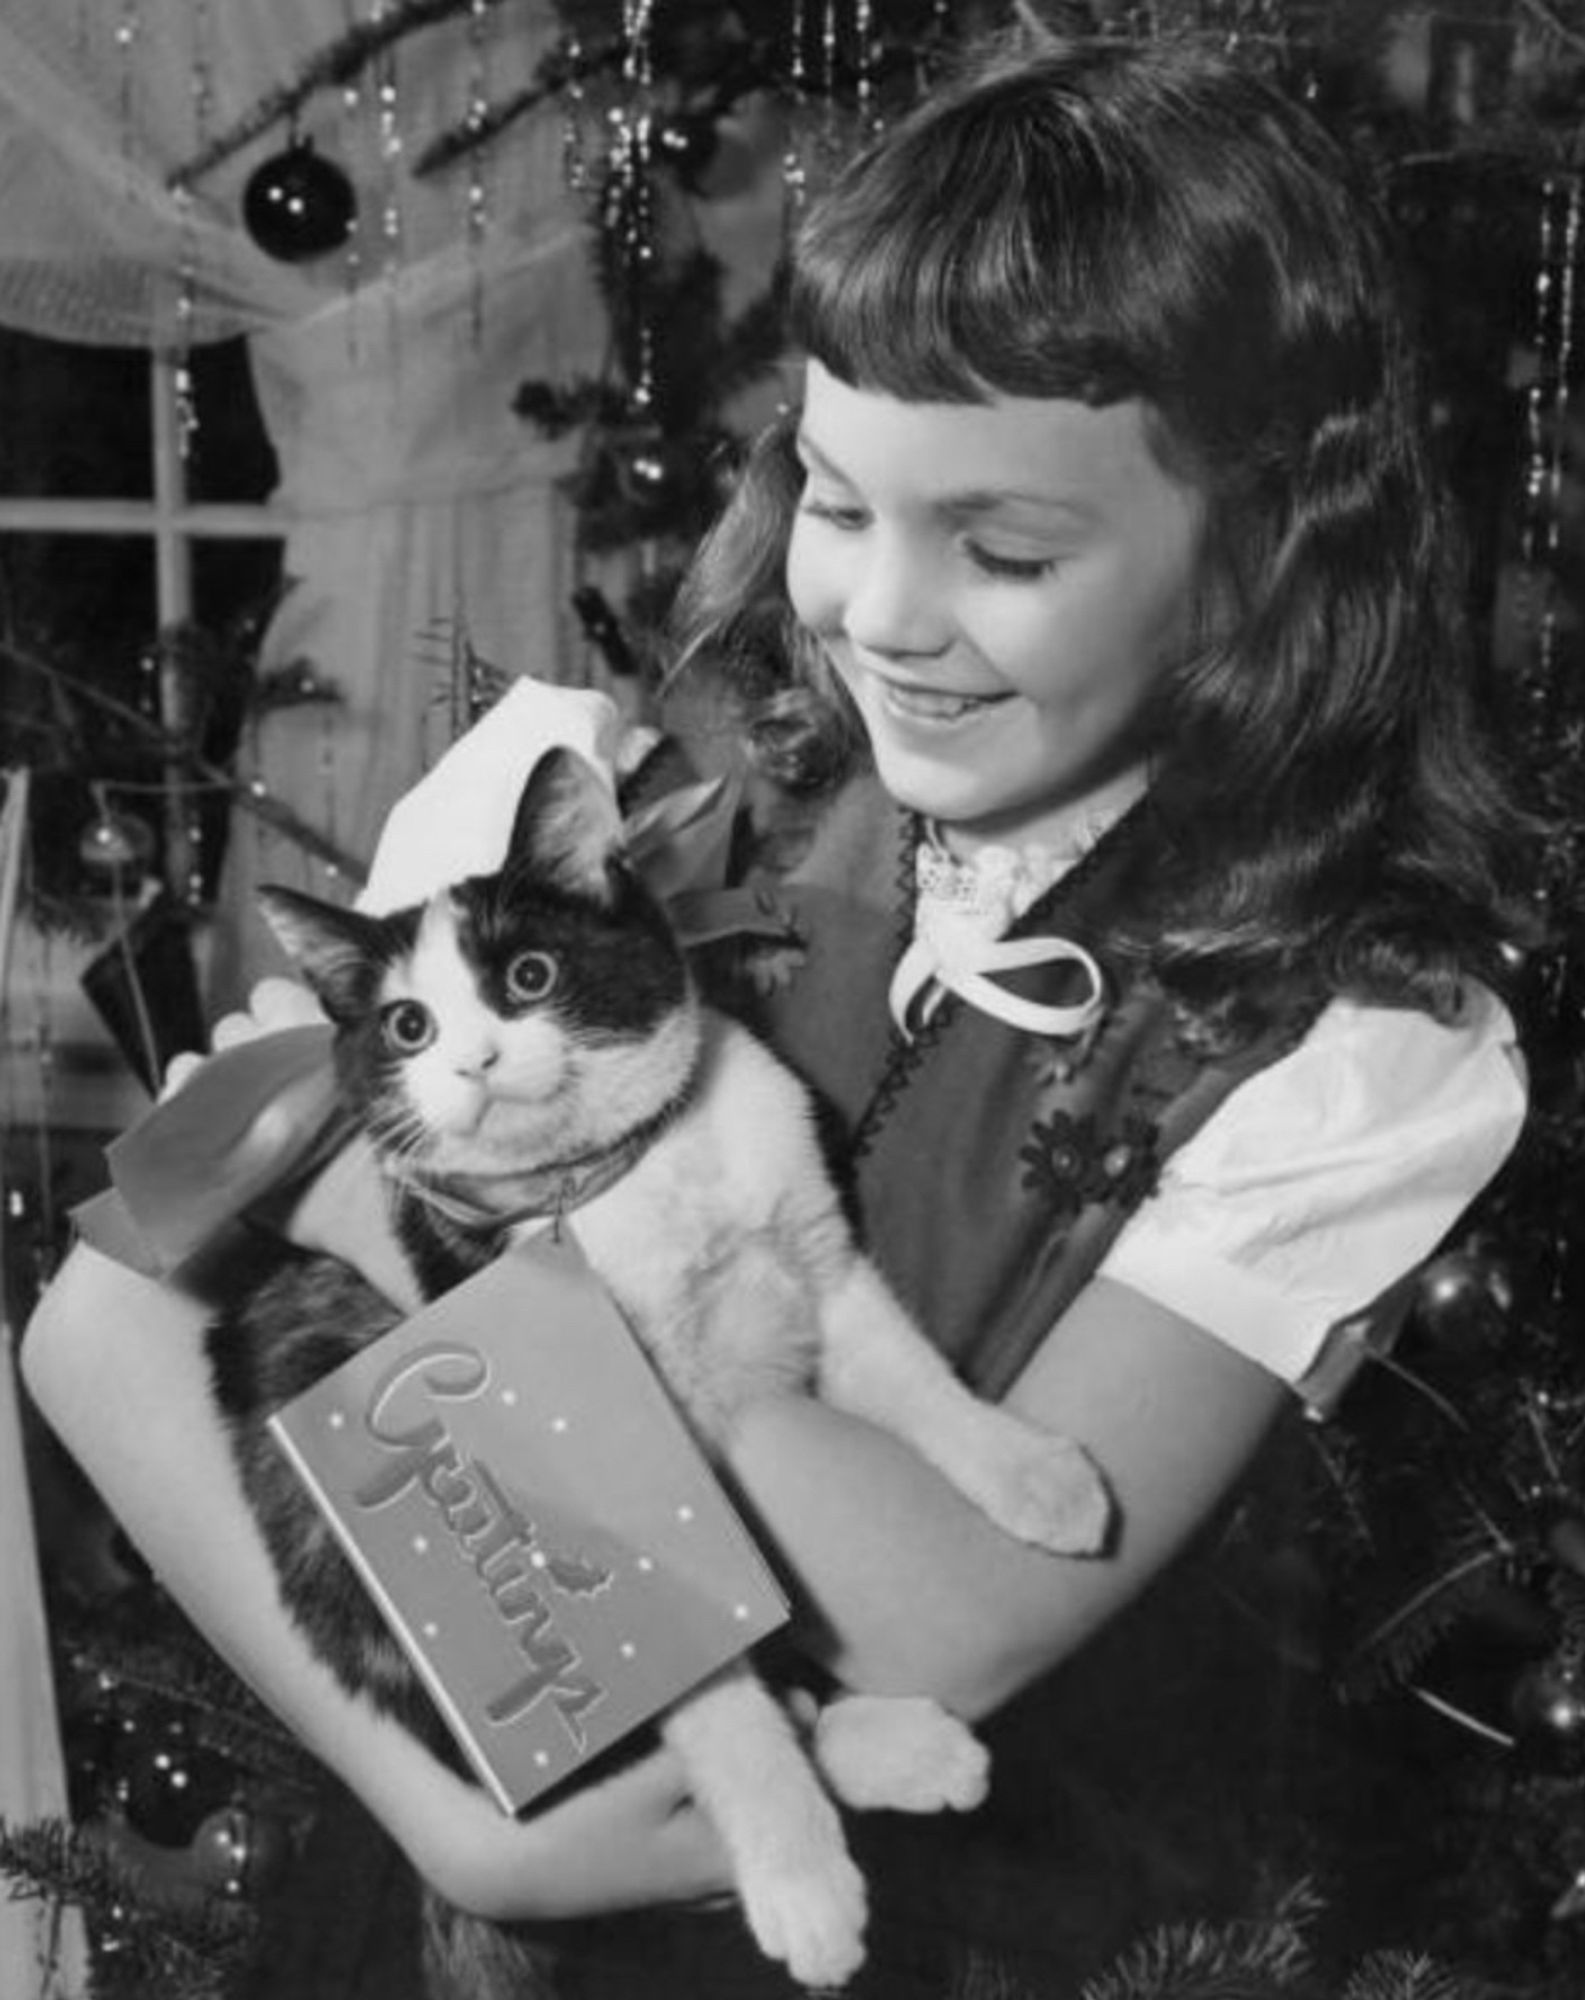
(998, 586)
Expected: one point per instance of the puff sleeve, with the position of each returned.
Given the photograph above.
(1325, 1179)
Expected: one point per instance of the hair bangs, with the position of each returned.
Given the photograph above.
(969, 265)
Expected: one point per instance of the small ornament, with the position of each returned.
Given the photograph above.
(1462, 1301)
(239, 1851)
(298, 205)
(687, 142)
(1548, 1707)
(651, 471)
(116, 844)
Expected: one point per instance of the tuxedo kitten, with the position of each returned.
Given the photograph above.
(531, 1041)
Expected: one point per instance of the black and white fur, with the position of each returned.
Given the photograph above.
(512, 1034)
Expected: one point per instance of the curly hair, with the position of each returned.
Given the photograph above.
(1158, 223)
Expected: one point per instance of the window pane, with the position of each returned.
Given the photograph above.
(74, 421)
(80, 688)
(229, 455)
(235, 586)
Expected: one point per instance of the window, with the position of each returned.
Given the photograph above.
(136, 572)
(134, 578)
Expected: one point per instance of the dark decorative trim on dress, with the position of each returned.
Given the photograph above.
(903, 1056)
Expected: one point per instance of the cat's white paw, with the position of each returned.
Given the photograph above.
(900, 1753)
(810, 1917)
(1043, 1488)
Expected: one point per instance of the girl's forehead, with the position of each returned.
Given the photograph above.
(1049, 451)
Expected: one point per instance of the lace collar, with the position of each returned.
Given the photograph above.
(964, 909)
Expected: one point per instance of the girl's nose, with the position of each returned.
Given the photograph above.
(892, 605)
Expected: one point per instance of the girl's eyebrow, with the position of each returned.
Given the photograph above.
(971, 504)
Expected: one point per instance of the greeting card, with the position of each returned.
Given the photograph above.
(513, 1483)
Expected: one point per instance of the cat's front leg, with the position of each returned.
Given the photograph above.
(802, 1896)
(875, 1363)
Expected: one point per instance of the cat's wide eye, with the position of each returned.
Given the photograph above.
(530, 976)
(407, 1026)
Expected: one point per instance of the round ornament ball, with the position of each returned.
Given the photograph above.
(297, 205)
(650, 468)
(166, 1784)
(1548, 1707)
(116, 844)
(239, 1851)
(1462, 1301)
(687, 142)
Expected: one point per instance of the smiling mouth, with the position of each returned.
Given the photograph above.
(919, 704)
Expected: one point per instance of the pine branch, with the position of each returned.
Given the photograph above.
(1248, 1959)
(228, 1718)
(557, 69)
(1405, 1975)
(190, 1951)
(1394, 1647)
(178, 753)
(333, 67)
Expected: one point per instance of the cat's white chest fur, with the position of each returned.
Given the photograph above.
(723, 1239)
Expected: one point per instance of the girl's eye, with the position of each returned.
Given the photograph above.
(1010, 569)
(530, 976)
(407, 1026)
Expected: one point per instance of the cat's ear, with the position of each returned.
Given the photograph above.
(331, 947)
(568, 826)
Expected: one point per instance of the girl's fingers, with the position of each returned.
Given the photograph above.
(178, 1070)
(231, 1029)
(273, 1004)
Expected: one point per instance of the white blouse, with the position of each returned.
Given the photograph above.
(1284, 1224)
(1325, 1179)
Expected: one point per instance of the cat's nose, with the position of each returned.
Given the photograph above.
(476, 1062)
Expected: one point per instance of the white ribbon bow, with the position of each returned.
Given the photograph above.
(959, 947)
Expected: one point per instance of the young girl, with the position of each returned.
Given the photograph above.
(1103, 583)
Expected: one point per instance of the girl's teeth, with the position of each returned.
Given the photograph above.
(936, 707)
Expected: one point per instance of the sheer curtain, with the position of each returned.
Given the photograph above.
(413, 504)
(416, 508)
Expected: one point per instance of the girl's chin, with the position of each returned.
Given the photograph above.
(947, 798)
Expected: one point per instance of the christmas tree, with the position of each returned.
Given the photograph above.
(1438, 1540)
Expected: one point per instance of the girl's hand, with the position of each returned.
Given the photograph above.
(273, 1004)
(622, 1843)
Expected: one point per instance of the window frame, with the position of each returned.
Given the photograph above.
(173, 524)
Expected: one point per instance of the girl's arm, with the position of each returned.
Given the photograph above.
(918, 1591)
(117, 1365)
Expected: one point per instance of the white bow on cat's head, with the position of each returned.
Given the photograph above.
(456, 821)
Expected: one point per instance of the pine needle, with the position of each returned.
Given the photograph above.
(1247, 1959)
(1399, 1643)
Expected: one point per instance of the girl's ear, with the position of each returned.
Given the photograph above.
(332, 948)
(568, 827)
